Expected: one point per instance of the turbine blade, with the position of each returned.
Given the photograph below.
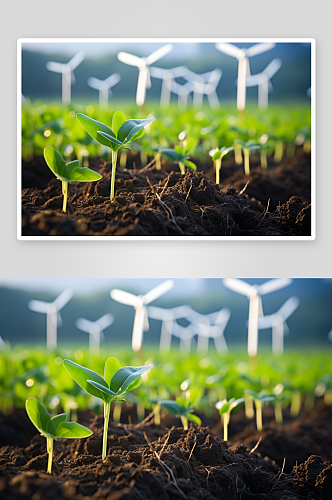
(158, 54)
(59, 319)
(289, 307)
(94, 83)
(130, 59)
(38, 306)
(272, 68)
(63, 298)
(138, 329)
(181, 312)
(229, 49)
(158, 291)
(156, 313)
(251, 81)
(113, 80)
(265, 322)
(158, 73)
(125, 297)
(237, 285)
(55, 66)
(259, 48)
(76, 60)
(273, 285)
(83, 324)
(105, 321)
(223, 316)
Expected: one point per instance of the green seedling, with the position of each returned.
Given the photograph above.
(53, 428)
(116, 382)
(123, 132)
(225, 407)
(182, 408)
(246, 148)
(67, 173)
(180, 155)
(259, 399)
(217, 156)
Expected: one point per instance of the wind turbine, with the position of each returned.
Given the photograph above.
(139, 302)
(52, 311)
(104, 87)
(243, 55)
(211, 326)
(185, 334)
(143, 63)
(205, 84)
(67, 71)
(167, 76)
(182, 91)
(262, 80)
(168, 318)
(95, 329)
(254, 293)
(277, 322)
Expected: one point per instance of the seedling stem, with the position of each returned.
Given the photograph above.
(246, 161)
(218, 167)
(107, 408)
(65, 193)
(182, 168)
(184, 421)
(259, 420)
(49, 444)
(114, 160)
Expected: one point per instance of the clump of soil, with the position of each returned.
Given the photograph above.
(152, 202)
(148, 461)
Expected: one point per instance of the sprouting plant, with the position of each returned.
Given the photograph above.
(122, 133)
(180, 155)
(217, 156)
(259, 399)
(265, 145)
(182, 408)
(115, 383)
(225, 407)
(246, 148)
(53, 428)
(67, 173)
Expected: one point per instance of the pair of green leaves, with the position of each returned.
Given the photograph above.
(122, 133)
(247, 145)
(227, 406)
(218, 154)
(178, 155)
(181, 407)
(53, 427)
(116, 381)
(261, 396)
(70, 172)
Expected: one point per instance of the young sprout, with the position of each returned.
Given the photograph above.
(53, 428)
(259, 399)
(183, 408)
(116, 382)
(67, 173)
(180, 155)
(123, 132)
(217, 156)
(225, 407)
(265, 145)
(246, 148)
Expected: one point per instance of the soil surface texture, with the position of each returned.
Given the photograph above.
(150, 202)
(148, 461)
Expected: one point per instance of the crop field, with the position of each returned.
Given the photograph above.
(194, 172)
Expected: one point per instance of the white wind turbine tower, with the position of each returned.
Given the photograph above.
(104, 87)
(168, 318)
(243, 55)
(277, 322)
(52, 311)
(205, 84)
(167, 76)
(263, 81)
(143, 63)
(139, 302)
(211, 326)
(67, 71)
(95, 329)
(254, 293)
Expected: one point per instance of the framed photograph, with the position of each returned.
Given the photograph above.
(166, 139)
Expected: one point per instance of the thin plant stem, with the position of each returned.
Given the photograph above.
(65, 193)
(237, 154)
(114, 159)
(248, 403)
(107, 409)
(278, 151)
(158, 162)
(49, 445)
(295, 403)
(156, 412)
(246, 161)
(259, 420)
(218, 167)
(278, 413)
(226, 420)
(182, 168)
(184, 421)
(263, 159)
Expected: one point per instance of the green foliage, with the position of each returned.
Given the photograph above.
(180, 155)
(70, 172)
(183, 408)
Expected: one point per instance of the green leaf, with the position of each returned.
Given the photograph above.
(92, 127)
(225, 151)
(83, 174)
(130, 128)
(126, 376)
(235, 403)
(119, 119)
(109, 138)
(135, 384)
(38, 414)
(180, 151)
(72, 430)
(190, 145)
(216, 155)
(72, 164)
(224, 408)
(62, 417)
(190, 164)
(138, 135)
(55, 162)
(81, 375)
(112, 365)
(171, 406)
(102, 388)
(254, 146)
(170, 154)
(241, 143)
(267, 398)
(194, 418)
(251, 393)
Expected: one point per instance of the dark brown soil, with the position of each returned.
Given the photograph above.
(193, 464)
(152, 202)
